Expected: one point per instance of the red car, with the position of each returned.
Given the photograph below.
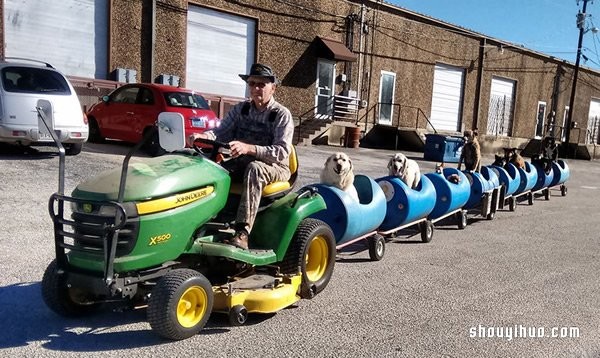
(129, 111)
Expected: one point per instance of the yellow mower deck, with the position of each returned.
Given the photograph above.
(258, 293)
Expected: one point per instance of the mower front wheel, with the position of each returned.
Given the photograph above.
(62, 299)
(312, 250)
(180, 304)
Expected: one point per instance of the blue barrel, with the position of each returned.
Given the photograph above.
(406, 205)
(543, 179)
(449, 196)
(480, 185)
(528, 178)
(561, 172)
(347, 217)
(491, 176)
(509, 177)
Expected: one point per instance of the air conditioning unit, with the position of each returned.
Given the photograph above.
(126, 75)
(170, 80)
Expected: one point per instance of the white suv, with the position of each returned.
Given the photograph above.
(25, 87)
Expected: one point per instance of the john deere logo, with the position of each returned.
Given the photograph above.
(87, 208)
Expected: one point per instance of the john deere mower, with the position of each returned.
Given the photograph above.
(151, 234)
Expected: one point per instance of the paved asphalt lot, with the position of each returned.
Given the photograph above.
(536, 267)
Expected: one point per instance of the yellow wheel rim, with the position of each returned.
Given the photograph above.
(316, 258)
(191, 306)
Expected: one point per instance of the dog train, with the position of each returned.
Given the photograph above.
(376, 210)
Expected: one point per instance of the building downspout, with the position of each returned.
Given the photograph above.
(361, 44)
(477, 104)
(152, 40)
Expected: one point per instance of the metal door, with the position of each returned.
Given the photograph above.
(387, 86)
(325, 86)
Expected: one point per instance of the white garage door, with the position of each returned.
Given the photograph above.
(219, 47)
(500, 117)
(71, 35)
(446, 102)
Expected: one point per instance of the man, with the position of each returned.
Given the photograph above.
(259, 133)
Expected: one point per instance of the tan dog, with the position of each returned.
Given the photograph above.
(406, 169)
(511, 156)
(338, 172)
(471, 152)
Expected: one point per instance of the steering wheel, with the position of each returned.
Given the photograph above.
(215, 147)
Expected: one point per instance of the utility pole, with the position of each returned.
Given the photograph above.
(581, 25)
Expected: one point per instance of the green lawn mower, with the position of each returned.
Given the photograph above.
(150, 234)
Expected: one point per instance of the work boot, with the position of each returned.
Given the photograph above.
(240, 239)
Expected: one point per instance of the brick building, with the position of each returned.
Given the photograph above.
(340, 62)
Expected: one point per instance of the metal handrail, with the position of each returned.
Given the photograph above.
(398, 115)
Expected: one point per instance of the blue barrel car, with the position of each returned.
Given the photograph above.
(544, 178)
(561, 175)
(407, 206)
(352, 220)
(452, 193)
(485, 190)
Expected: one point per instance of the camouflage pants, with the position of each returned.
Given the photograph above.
(254, 176)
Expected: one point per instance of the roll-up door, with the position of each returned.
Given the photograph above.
(446, 103)
(219, 47)
(71, 35)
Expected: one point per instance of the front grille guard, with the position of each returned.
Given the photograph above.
(64, 227)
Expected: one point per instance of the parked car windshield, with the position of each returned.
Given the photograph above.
(34, 80)
(184, 99)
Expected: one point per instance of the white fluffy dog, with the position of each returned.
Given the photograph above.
(338, 172)
(406, 169)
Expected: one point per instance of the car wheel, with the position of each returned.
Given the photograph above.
(152, 146)
(73, 148)
(95, 136)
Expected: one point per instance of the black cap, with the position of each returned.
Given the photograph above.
(260, 70)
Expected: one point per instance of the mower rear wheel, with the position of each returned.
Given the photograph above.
(65, 301)
(180, 304)
(312, 250)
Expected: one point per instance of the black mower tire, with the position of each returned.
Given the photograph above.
(180, 304)
(238, 315)
(376, 247)
(312, 250)
(65, 301)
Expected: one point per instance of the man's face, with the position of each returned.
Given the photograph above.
(261, 89)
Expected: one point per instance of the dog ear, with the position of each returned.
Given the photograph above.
(390, 162)
(404, 163)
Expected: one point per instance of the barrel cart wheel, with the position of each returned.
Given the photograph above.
(426, 228)
(512, 203)
(462, 219)
(563, 190)
(530, 198)
(376, 247)
(491, 215)
(547, 193)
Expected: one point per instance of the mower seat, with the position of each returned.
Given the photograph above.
(276, 189)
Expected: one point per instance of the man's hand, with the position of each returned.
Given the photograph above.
(238, 148)
(192, 138)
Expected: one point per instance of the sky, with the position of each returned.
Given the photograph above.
(547, 26)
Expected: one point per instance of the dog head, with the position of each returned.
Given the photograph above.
(397, 165)
(338, 171)
(338, 163)
(470, 136)
(499, 160)
(439, 168)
